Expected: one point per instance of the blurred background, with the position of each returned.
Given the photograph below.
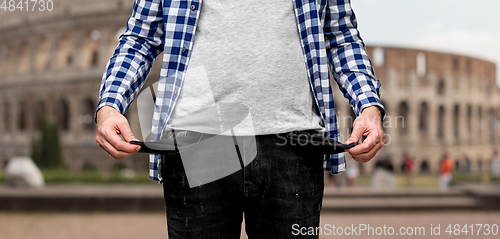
(436, 60)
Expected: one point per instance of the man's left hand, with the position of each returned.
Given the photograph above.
(368, 125)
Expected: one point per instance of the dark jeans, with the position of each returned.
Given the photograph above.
(281, 187)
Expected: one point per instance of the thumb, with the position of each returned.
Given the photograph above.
(126, 132)
(356, 134)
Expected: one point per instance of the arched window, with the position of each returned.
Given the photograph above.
(11, 64)
(65, 52)
(94, 58)
(479, 165)
(62, 115)
(87, 115)
(441, 87)
(22, 118)
(423, 118)
(456, 64)
(39, 114)
(456, 121)
(378, 56)
(6, 115)
(95, 35)
(24, 58)
(469, 120)
(491, 124)
(421, 64)
(424, 166)
(42, 55)
(403, 117)
(480, 121)
(441, 125)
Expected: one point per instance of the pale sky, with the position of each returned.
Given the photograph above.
(456, 26)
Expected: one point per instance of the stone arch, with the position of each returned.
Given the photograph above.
(441, 87)
(456, 121)
(403, 113)
(456, 64)
(424, 166)
(423, 119)
(22, 117)
(95, 35)
(469, 120)
(24, 58)
(42, 55)
(491, 124)
(441, 122)
(6, 116)
(39, 111)
(87, 114)
(480, 122)
(62, 115)
(90, 54)
(11, 65)
(378, 56)
(421, 64)
(385, 163)
(65, 51)
(480, 165)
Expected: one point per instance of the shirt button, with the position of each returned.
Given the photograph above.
(193, 7)
(183, 50)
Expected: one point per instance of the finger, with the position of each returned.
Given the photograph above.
(356, 134)
(365, 157)
(126, 132)
(371, 140)
(114, 152)
(112, 137)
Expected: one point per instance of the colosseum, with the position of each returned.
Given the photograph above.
(51, 64)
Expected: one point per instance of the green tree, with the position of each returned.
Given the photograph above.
(46, 150)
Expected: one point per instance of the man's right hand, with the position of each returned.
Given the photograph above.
(110, 124)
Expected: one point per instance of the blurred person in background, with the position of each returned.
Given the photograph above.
(446, 173)
(408, 167)
(383, 175)
(352, 172)
(467, 163)
(274, 57)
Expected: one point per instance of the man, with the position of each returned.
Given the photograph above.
(274, 58)
(446, 174)
(408, 165)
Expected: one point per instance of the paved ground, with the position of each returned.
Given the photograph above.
(141, 225)
(149, 198)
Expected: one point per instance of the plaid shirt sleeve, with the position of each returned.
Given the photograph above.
(134, 56)
(349, 62)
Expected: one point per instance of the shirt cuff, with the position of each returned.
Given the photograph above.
(109, 101)
(379, 105)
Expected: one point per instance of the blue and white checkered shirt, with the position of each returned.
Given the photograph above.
(330, 41)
